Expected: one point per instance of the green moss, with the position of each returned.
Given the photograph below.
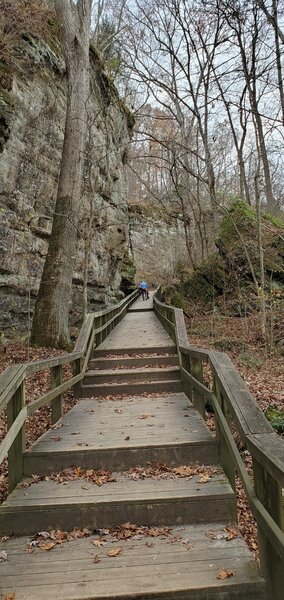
(278, 221)
(226, 276)
(240, 216)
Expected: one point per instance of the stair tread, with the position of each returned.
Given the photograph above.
(130, 383)
(124, 489)
(104, 424)
(136, 370)
(187, 567)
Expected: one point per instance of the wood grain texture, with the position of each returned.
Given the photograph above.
(163, 569)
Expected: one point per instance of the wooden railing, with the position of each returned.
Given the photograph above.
(236, 409)
(94, 330)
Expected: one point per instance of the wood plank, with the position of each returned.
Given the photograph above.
(12, 433)
(165, 570)
(47, 363)
(124, 488)
(243, 407)
(49, 396)
(10, 380)
(16, 407)
(268, 449)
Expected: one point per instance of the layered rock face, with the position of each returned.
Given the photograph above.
(32, 117)
(158, 246)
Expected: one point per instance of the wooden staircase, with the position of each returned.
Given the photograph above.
(133, 414)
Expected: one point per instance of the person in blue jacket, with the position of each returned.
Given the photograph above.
(144, 290)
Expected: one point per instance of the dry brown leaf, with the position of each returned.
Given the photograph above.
(89, 472)
(98, 543)
(184, 471)
(157, 531)
(114, 552)
(224, 574)
(47, 547)
(97, 559)
(203, 479)
(131, 526)
(232, 533)
(11, 596)
(145, 416)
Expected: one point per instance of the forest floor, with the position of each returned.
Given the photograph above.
(239, 337)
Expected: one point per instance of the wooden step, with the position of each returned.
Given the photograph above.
(160, 429)
(49, 505)
(106, 376)
(112, 363)
(117, 389)
(152, 568)
(132, 352)
(143, 309)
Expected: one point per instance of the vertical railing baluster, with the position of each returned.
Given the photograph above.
(15, 454)
(57, 403)
(269, 492)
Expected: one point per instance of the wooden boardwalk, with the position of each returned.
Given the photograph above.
(160, 533)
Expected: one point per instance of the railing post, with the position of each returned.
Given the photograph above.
(77, 368)
(57, 403)
(15, 454)
(185, 363)
(226, 458)
(197, 398)
(269, 492)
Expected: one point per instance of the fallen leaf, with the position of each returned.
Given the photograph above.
(47, 547)
(224, 574)
(3, 555)
(114, 552)
(5, 538)
(97, 559)
(232, 533)
(203, 479)
(145, 416)
(184, 471)
(98, 543)
(11, 596)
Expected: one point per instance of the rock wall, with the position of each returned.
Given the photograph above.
(32, 116)
(157, 246)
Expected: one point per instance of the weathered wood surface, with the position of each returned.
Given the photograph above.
(51, 505)
(161, 569)
(135, 332)
(93, 433)
(233, 404)
(127, 432)
(106, 423)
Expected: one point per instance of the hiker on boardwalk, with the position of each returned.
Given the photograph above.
(144, 290)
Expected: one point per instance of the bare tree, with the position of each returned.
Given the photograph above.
(50, 323)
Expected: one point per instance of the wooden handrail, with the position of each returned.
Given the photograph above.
(233, 403)
(13, 378)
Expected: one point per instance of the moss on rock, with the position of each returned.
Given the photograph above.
(227, 272)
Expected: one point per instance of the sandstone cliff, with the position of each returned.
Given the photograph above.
(32, 115)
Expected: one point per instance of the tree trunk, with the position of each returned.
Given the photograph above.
(50, 323)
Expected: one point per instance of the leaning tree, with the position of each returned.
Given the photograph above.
(50, 322)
